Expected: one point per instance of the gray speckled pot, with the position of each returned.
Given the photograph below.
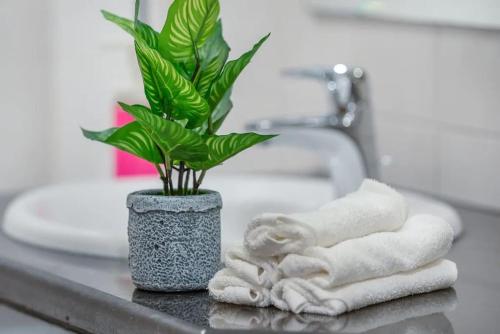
(174, 241)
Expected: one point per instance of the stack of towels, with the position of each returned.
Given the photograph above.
(356, 251)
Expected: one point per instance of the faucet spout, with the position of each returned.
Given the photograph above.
(337, 150)
(350, 122)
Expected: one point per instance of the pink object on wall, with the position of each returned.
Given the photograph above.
(125, 163)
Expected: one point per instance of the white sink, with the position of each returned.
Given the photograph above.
(91, 217)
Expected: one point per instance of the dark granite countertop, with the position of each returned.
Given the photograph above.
(96, 295)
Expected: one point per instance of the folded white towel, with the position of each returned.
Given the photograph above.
(300, 295)
(375, 207)
(227, 287)
(259, 271)
(422, 240)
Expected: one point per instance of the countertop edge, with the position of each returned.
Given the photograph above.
(80, 307)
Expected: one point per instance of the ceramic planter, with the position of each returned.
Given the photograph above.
(174, 241)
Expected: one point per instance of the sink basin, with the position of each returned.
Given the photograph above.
(91, 218)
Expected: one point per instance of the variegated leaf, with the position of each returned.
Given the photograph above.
(168, 90)
(221, 111)
(175, 141)
(230, 73)
(131, 138)
(213, 56)
(221, 148)
(154, 94)
(188, 25)
(139, 30)
(218, 116)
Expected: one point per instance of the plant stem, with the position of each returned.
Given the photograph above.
(168, 176)
(170, 183)
(210, 126)
(186, 181)
(194, 182)
(158, 168)
(200, 180)
(180, 177)
(163, 179)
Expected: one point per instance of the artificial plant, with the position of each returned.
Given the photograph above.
(187, 83)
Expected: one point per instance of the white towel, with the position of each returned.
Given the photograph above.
(227, 287)
(259, 271)
(423, 239)
(300, 295)
(246, 279)
(375, 207)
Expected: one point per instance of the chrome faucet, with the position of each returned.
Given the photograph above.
(350, 113)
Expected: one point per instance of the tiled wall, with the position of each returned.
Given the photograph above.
(434, 91)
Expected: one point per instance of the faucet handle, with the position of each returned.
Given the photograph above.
(343, 82)
(318, 73)
(325, 73)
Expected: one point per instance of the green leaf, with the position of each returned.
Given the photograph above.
(230, 73)
(175, 141)
(139, 31)
(218, 115)
(152, 91)
(188, 25)
(221, 148)
(221, 111)
(131, 138)
(213, 56)
(169, 91)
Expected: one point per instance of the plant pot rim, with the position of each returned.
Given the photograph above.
(159, 193)
(151, 200)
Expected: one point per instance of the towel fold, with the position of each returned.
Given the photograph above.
(259, 271)
(375, 207)
(227, 287)
(422, 240)
(300, 295)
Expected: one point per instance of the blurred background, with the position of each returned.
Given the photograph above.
(433, 68)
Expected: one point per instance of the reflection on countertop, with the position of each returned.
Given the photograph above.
(416, 314)
(421, 313)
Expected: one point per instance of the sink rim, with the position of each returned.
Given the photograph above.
(23, 224)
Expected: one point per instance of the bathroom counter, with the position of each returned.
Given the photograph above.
(96, 295)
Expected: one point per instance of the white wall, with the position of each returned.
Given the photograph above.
(23, 94)
(434, 91)
(93, 65)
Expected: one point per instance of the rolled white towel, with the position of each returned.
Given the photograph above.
(423, 239)
(227, 287)
(300, 295)
(375, 207)
(259, 271)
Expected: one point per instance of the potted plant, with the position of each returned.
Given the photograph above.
(174, 232)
